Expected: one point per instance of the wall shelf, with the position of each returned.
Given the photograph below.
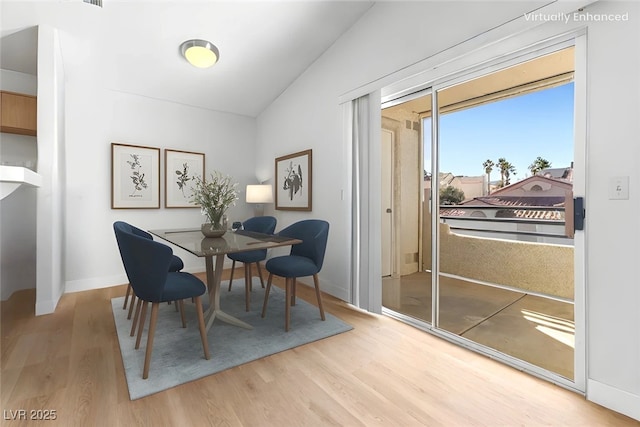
(12, 177)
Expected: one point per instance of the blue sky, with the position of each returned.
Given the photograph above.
(518, 129)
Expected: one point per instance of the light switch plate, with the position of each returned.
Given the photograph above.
(619, 188)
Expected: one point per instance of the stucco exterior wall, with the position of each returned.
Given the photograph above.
(541, 268)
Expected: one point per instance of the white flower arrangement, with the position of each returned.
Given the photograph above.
(214, 196)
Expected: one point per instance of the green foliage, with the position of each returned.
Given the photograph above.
(538, 165)
(488, 166)
(214, 196)
(450, 195)
(506, 169)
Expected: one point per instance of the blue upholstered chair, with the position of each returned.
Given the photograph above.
(305, 259)
(146, 263)
(259, 224)
(176, 263)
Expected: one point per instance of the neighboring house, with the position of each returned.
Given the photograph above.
(565, 174)
(537, 200)
(519, 200)
(471, 186)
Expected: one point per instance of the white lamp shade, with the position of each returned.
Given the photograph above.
(259, 193)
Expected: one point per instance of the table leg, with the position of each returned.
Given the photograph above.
(214, 277)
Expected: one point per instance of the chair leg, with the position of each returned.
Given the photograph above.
(131, 304)
(260, 273)
(152, 331)
(203, 328)
(176, 305)
(293, 291)
(180, 303)
(318, 296)
(266, 295)
(287, 307)
(233, 267)
(143, 317)
(126, 296)
(135, 317)
(247, 286)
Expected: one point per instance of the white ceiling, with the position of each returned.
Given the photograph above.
(133, 46)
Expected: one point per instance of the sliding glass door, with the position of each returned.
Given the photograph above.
(479, 249)
(406, 230)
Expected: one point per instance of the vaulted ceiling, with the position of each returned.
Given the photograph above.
(133, 46)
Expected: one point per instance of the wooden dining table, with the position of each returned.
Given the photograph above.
(193, 241)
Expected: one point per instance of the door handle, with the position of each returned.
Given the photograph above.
(579, 213)
(388, 210)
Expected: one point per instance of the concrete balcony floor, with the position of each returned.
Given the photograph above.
(531, 328)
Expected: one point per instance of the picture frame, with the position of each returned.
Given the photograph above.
(294, 181)
(180, 169)
(135, 177)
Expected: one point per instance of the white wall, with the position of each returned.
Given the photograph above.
(14, 81)
(18, 211)
(78, 118)
(613, 226)
(50, 282)
(97, 117)
(360, 62)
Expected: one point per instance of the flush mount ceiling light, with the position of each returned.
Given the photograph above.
(200, 53)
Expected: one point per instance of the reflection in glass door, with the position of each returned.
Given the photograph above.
(406, 130)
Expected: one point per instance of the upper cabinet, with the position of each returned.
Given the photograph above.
(18, 113)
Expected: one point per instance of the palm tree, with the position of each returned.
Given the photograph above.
(502, 162)
(538, 165)
(510, 170)
(506, 169)
(488, 167)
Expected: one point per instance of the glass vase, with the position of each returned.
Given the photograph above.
(215, 229)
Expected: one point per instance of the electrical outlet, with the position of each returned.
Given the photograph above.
(619, 188)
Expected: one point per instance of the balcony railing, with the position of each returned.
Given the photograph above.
(542, 224)
(530, 262)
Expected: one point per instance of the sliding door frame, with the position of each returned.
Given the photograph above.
(578, 40)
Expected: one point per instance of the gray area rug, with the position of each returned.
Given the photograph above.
(178, 357)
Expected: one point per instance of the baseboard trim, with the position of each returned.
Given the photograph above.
(121, 279)
(48, 306)
(327, 288)
(615, 399)
(96, 283)
(109, 281)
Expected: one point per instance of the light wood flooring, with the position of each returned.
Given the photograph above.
(382, 373)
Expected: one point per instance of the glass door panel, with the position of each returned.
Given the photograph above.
(406, 216)
(505, 156)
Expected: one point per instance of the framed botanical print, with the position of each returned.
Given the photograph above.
(293, 182)
(180, 169)
(135, 177)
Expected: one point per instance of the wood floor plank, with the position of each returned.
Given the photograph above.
(382, 373)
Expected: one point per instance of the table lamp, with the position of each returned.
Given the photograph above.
(259, 194)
